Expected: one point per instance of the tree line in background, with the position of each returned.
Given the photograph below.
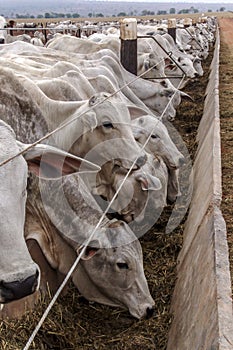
(172, 10)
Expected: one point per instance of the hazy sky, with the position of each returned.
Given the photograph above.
(183, 1)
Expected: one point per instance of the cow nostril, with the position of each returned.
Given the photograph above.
(170, 118)
(141, 161)
(2, 41)
(149, 312)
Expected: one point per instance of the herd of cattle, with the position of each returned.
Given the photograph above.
(106, 165)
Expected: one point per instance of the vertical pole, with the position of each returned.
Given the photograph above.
(128, 51)
(171, 28)
(187, 22)
(203, 19)
(44, 32)
(195, 21)
(11, 25)
(78, 33)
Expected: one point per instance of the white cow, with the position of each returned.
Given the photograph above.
(195, 58)
(160, 144)
(83, 46)
(172, 70)
(197, 64)
(180, 65)
(154, 95)
(36, 41)
(193, 41)
(199, 43)
(54, 235)
(61, 89)
(22, 37)
(38, 38)
(150, 61)
(183, 39)
(101, 119)
(3, 32)
(154, 54)
(19, 274)
(111, 268)
(143, 194)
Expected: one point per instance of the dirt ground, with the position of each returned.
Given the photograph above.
(226, 119)
(76, 324)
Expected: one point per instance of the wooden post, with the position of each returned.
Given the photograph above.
(194, 22)
(128, 35)
(11, 25)
(44, 32)
(203, 19)
(78, 32)
(171, 28)
(187, 22)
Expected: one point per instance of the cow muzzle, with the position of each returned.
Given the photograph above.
(149, 312)
(15, 290)
(145, 311)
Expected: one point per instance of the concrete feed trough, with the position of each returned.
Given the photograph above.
(202, 302)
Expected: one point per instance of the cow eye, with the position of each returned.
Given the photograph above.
(123, 266)
(108, 125)
(153, 136)
(163, 83)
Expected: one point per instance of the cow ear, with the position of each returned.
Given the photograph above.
(50, 162)
(90, 250)
(149, 182)
(136, 112)
(169, 64)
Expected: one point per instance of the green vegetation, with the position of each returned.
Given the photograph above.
(145, 12)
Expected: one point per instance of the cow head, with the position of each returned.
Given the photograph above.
(160, 142)
(134, 194)
(19, 273)
(111, 272)
(3, 32)
(111, 267)
(104, 135)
